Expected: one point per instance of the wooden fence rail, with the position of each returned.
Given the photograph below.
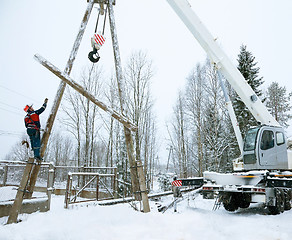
(71, 198)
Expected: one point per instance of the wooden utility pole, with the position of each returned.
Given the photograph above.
(136, 168)
(58, 98)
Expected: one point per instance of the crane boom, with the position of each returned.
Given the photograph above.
(216, 54)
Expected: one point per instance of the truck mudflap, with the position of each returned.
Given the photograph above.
(278, 200)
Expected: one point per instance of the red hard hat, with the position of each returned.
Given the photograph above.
(26, 108)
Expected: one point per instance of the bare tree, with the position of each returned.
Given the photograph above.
(116, 149)
(81, 115)
(111, 96)
(20, 151)
(72, 119)
(197, 133)
(195, 104)
(138, 74)
(215, 140)
(178, 136)
(61, 149)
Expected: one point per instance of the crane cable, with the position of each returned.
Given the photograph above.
(93, 55)
(103, 28)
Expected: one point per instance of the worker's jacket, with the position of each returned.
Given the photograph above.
(32, 120)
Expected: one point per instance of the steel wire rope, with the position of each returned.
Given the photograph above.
(97, 22)
(104, 21)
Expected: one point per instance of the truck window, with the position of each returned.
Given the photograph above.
(250, 139)
(280, 139)
(267, 140)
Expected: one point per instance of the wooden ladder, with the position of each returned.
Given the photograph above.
(21, 191)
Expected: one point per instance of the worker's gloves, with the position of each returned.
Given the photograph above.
(46, 101)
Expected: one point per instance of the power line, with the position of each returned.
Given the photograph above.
(20, 94)
(11, 111)
(3, 132)
(9, 105)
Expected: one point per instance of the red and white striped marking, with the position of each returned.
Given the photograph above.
(177, 183)
(99, 39)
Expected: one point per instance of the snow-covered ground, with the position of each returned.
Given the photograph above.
(194, 220)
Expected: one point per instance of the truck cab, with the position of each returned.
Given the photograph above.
(265, 148)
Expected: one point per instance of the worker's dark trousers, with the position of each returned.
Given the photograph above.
(35, 140)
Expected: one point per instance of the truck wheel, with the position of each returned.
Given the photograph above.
(288, 199)
(244, 204)
(280, 203)
(243, 200)
(230, 202)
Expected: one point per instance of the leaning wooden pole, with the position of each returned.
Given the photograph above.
(138, 180)
(64, 77)
(58, 97)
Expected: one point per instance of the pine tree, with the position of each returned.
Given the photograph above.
(278, 103)
(249, 70)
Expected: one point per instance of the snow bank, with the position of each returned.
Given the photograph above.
(7, 193)
(195, 220)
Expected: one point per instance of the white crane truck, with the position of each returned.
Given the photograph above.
(266, 176)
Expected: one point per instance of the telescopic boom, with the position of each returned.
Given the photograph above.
(223, 63)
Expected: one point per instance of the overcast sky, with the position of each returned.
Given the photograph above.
(49, 28)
